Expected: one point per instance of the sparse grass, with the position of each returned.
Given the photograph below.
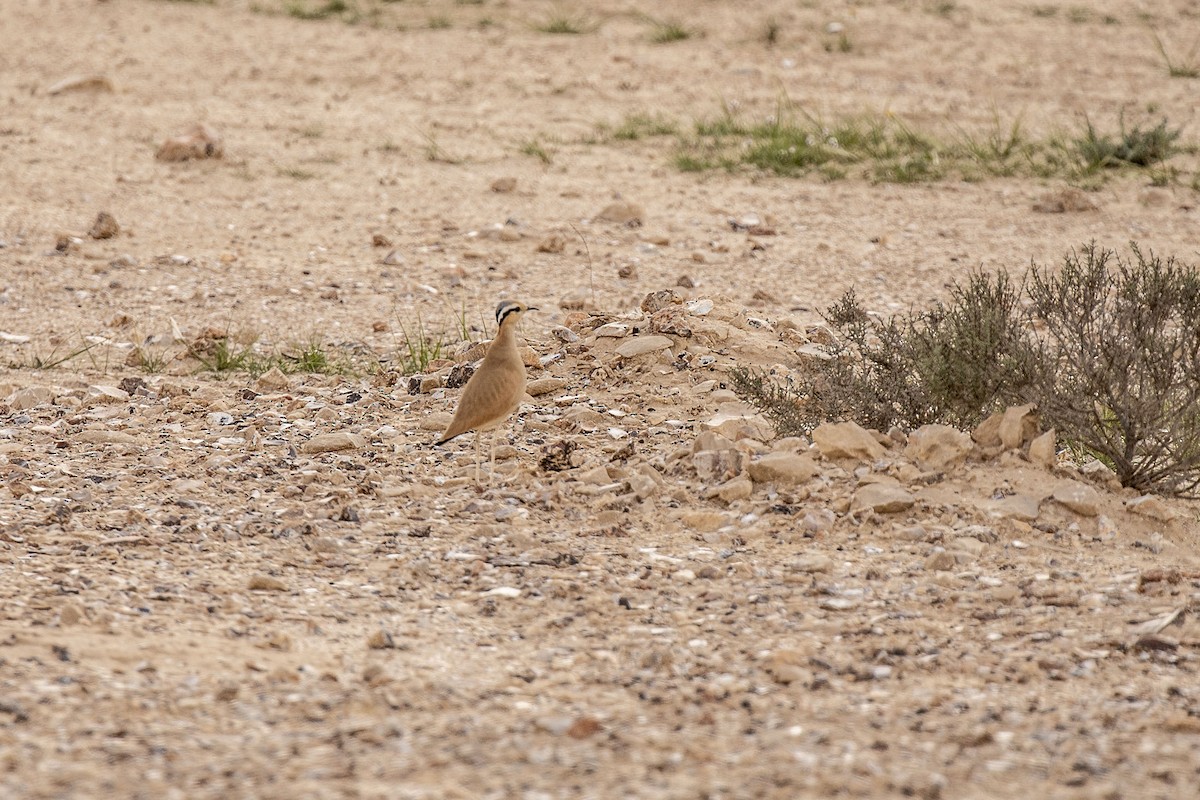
(944, 8)
(1189, 67)
(885, 149)
(325, 10)
(55, 358)
(1135, 147)
(667, 31)
(435, 152)
(1045, 12)
(440, 22)
(222, 356)
(312, 131)
(296, 173)
(637, 126)
(420, 347)
(566, 25)
(151, 360)
(535, 149)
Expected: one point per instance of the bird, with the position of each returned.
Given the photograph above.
(496, 388)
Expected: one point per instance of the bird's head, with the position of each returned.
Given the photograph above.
(511, 311)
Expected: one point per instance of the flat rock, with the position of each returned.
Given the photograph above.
(787, 469)
(101, 436)
(737, 488)
(30, 397)
(543, 386)
(938, 447)
(847, 440)
(641, 345)
(1043, 450)
(711, 441)
(706, 521)
(882, 498)
(435, 421)
(1018, 506)
(332, 442)
(1082, 499)
(623, 213)
(198, 141)
(1152, 506)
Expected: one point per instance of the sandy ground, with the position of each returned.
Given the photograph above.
(198, 603)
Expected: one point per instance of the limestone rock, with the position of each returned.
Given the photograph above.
(543, 386)
(1080, 498)
(503, 185)
(738, 488)
(785, 469)
(739, 426)
(1019, 506)
(710, 441)
(102, 436)
(273, 380)
(882, 498)
(718, 465)
(847, 440)
(622, 213)
(436, 421)
(1018, 425)
(198, 141)
(1043, 450)
(332, 442)
(706, 521)
(987, 433)
(941, 561)
(30, 397)
(938, 447)
(1152, 506)
(641, 345)
(105, 226)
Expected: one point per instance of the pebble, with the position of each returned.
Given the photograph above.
(198, 141)
(642, 345)
(105, 226)
(266, 583)
(1152, 506)
(102, 436)
(622, 213)
(332, 442)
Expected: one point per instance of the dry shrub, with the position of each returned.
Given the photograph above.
(1109, 350)
(1120, 359)
(953, 363)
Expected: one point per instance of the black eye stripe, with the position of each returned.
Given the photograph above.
(504, 309)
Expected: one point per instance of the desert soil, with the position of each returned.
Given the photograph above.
(199, 602)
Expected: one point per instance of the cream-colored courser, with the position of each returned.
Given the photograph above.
(496, 388)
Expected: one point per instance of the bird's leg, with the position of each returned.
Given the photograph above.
(477, 458)
(492, 461)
